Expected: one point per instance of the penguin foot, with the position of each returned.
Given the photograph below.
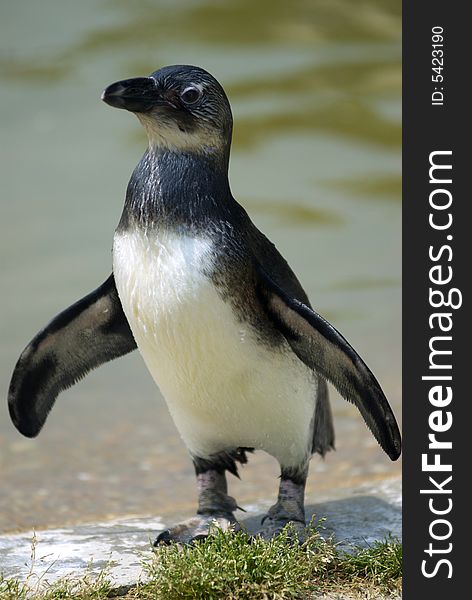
(196, 528)
(289, 508)
(273, 526)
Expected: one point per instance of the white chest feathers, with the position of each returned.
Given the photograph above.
(224, 390)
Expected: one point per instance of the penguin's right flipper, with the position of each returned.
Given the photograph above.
(89, 333)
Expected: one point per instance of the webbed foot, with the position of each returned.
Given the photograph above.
(289, 508)
(196, 528)
(273, 526)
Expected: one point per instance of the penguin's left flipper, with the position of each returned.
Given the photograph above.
(89, 333)
(322, 348)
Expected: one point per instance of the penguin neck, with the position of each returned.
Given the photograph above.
(170, 189)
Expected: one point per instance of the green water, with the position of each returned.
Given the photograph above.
(315, 90)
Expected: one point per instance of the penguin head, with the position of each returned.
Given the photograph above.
(182, 108)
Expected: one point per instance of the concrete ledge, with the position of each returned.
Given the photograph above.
(355, 517)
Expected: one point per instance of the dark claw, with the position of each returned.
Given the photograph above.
(163, 539)
(198, 538)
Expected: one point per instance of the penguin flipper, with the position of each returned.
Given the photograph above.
(322, 348)
(89, 333)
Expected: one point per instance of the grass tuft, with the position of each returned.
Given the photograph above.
(380, 563)
(229, 566)
(237, 567)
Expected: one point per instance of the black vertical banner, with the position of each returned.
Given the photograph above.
(437, 242)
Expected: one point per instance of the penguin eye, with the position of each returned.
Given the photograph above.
(190, 95)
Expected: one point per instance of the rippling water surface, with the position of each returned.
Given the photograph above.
(315, 91)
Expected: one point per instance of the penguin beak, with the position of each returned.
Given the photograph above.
(138, 94)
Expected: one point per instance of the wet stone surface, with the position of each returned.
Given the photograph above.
(354, 516)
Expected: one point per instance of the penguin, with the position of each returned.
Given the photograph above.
(220, 319)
